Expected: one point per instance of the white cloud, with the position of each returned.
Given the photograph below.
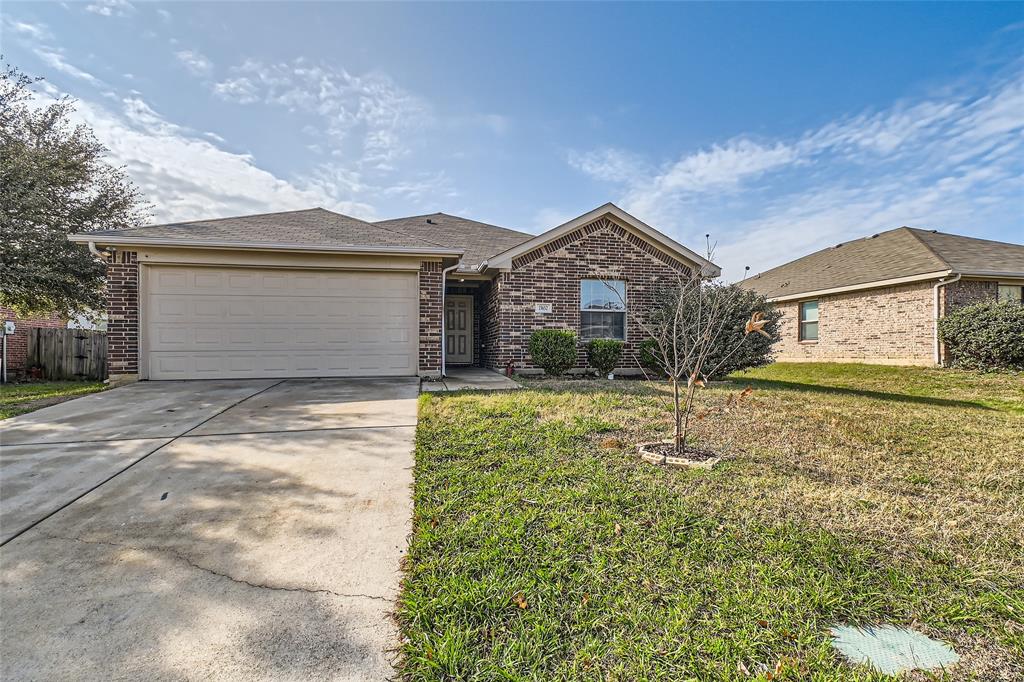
(186, 176)
(24, 28)
(164, 14)
(609, 165)
(55, 60)
(240, 90)
(110, 8)
(195, 62)
(365, 117)
(951, 161)
(38, 39)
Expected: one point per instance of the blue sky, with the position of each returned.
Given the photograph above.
(778, 129)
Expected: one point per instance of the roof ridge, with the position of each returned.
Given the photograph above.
(247, 215)
(451, 215)
(926, 245)
(921, 230)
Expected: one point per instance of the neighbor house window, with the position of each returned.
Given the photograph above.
(602, 309)
(1011, 293)
(809, 321)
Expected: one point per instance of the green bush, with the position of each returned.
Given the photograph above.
(650, 357)
(754, 351)
(603, 355)
(553, 350)
(985, 336)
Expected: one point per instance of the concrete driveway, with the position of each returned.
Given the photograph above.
(207, 530)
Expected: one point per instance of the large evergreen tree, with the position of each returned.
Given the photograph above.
(54, 181)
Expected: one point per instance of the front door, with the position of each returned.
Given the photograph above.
(458, 330)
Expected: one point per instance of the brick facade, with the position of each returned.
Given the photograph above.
(430, 318)
(123, 315)
(891, 325)
(552, 274)
(17, 343)
(967, 292)
(504, 313)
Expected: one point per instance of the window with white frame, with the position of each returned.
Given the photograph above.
(1011, 293)
(602, 309)
(809, 321)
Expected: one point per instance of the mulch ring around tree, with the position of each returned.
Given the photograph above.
(664, 452)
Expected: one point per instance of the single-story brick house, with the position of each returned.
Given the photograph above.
(316, 293)
(878, 299)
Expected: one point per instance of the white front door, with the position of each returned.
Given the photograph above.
(458, 330)
(247, 322)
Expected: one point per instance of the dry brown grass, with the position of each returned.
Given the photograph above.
(901, 488)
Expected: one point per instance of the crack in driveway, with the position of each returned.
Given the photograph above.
(241, 581)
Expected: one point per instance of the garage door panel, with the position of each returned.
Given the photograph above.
(246, 323)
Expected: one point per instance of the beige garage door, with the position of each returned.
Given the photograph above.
(214, 323)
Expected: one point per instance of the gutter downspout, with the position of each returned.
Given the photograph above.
(938, 309)
(444, 282)
(102, 255)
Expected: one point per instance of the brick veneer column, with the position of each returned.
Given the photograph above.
(123, 316)
(430, 318)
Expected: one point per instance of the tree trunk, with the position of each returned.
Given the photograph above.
(678, 432)
(687, 409)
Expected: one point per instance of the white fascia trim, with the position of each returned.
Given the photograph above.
(858, 287)
(504, 260)
(128, 242)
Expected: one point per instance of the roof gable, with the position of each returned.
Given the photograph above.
(506, 259)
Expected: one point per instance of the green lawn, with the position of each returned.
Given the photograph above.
(544, 549)
(18, 399)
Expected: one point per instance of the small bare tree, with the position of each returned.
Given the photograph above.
(689, 322)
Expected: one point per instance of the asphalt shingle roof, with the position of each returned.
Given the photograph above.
(311, 227)
(479, 240)
(902, 252)
(320, 227)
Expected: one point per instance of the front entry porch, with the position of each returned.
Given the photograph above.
(470, 379)
(464, 308)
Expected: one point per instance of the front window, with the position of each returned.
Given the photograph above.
(602, 309)
(1011, 293)
(809, 321)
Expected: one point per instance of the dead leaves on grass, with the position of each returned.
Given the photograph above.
(756, 323)
(733, 401)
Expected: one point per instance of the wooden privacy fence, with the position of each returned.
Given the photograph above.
(68, 353)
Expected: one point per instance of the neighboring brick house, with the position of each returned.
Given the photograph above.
(316, 293)
(17, 343)
(878, 299)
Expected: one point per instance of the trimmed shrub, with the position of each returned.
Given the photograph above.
(755, 351)
(603, 355)
(985, 336)
(553, 350)
(648, 357)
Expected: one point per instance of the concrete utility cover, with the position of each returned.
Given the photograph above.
(892, 650)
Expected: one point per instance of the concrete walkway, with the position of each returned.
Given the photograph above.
(208, 529)
(471, 379)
